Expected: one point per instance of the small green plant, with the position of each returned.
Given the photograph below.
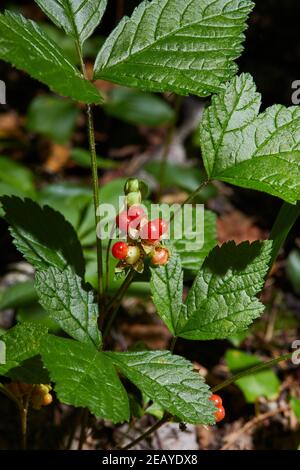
(174, 46)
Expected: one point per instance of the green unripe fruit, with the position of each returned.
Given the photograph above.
(133, 198)
(132, 185)
(133, 255)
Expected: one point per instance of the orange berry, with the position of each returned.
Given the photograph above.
(47, 399)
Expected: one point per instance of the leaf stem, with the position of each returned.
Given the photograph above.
(94, 168)
(167, 144)
(173, 344)
(254, 370)
(147, 433)
(116, 302)
(191, 197)
(23, 410)
(284, 222)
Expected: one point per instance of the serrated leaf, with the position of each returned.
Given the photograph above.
(43, 235)
(222, 299)
(85, 377)
(26, 46)
(248, 149)
(79, 18)
(167, 290)
(23, 344)
(175, 45)
(69, 303)
(264, 383)
(170, 381)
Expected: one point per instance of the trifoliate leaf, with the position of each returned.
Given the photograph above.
(85, 377)
(69, 303)
(26, 46)
(248, 149)
(43, 235)
(222, 299)
(187, 47)
(78, 18)
(169, 381)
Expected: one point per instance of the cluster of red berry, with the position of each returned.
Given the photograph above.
(220, 413)
(39, 395)
(143, 236)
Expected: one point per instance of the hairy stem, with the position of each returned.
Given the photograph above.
(147, 433)
(255, 369)
(94, 167)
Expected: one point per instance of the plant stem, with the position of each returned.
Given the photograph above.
(254, 369)
(191, 197)
(116, 302)
(147, 433)
(84, 420)
(23, 410)
(173, 344)
(96, 197)
(96, 202)
(167, 145)
(285, 220)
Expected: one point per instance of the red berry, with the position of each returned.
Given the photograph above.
(135, 215)
(162, 226)
(220, 414)
(120, 250)
(150, 232)
(122, 221)
(160, 256)
(217, 400)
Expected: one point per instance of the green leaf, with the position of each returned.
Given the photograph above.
(169, 381)
(78, 18)
(19, 294)
(69, 303)
(136, 107)
(85, 377)
(248, 149)
(16, 175)
(26, 46)
(43, 235)
(83, 158)
(52, 117)
(23, 344)
(176, 46)
(265, 383)
(70, 199)
(167, 290)
(222, 299)
(197, 241)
